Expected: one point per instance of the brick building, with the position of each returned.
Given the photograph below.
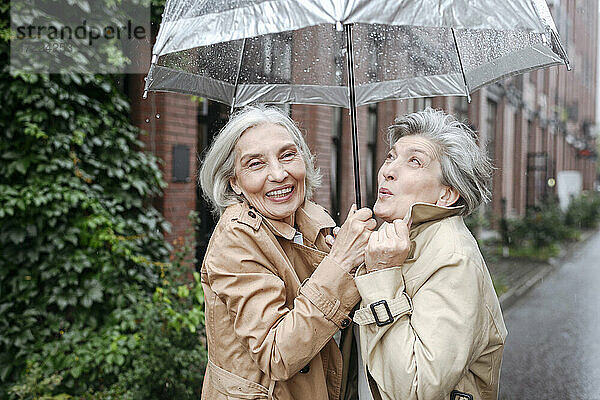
(534, 125)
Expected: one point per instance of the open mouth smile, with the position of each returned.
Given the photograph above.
(280, 194)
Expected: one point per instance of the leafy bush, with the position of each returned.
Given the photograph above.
(82, 247)
(536, 235)
(540, 227)
(584, 211)
(152, 350)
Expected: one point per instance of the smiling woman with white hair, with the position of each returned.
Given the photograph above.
(275, 293)
(430, 321)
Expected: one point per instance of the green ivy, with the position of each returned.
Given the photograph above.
(78, 227)
(90, 304)
(152, 350)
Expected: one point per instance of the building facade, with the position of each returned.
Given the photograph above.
(533, 125)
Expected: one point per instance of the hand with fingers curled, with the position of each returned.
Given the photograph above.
(388, 246)
(348, 249)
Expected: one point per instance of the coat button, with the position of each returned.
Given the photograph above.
(251, 214)
(345, 323)
(305, 369)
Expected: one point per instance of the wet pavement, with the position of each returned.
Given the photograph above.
(553, 345)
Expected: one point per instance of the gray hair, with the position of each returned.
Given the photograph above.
(465, 165)
(218, 166)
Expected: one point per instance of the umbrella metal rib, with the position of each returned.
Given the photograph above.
(237, 77)
(462, 68)
(352, 106)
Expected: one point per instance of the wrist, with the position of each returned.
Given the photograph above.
(375, 267)
(343, 263)
(379, 266)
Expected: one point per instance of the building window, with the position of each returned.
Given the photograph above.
(462, 109)
(421, 103)
(530, 193)
(491, 126)
(492, 111)
(212, 116)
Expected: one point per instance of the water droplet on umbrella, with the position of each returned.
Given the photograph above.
(157, 116)
(147, 120)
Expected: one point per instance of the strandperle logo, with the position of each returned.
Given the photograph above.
(82, 32)
(83, 36)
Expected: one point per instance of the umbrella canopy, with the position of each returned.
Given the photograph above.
(347, 52)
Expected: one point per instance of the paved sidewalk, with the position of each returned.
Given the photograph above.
(520, 275)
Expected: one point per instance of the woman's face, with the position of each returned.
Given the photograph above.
(410, 173)
(270, 171)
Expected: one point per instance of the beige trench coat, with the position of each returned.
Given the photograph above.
(447, 332)
(273, 307)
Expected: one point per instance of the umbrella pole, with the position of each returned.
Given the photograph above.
(352, 106)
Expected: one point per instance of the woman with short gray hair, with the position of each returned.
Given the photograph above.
(430, 322)
(464, 163)
(219, 163)
(275, 292)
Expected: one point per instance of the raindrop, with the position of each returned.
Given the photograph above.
(145, 95)
(317, 59)
(147, 120)
(145, 78)
(157, 116)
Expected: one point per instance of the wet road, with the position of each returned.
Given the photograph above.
(553, 344)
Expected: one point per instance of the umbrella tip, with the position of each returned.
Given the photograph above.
(145, 95)
(568, 64)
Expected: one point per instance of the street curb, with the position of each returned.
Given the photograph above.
(529, 281)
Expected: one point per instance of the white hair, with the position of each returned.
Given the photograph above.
(218, 166)
(465, 165)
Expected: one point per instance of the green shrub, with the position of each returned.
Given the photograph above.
(151, 349)
(75, 210)
(81, 247)
(584, 211)
(540, 228)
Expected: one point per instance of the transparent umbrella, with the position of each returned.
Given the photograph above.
(347, 52)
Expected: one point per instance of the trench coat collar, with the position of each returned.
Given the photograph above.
(310, 219)
(421, 213)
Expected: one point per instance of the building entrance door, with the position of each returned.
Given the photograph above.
(212, 116)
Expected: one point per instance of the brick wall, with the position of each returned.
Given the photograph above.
(169, 119)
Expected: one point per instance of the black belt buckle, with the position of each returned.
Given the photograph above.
(456, 395)
(387, 309)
